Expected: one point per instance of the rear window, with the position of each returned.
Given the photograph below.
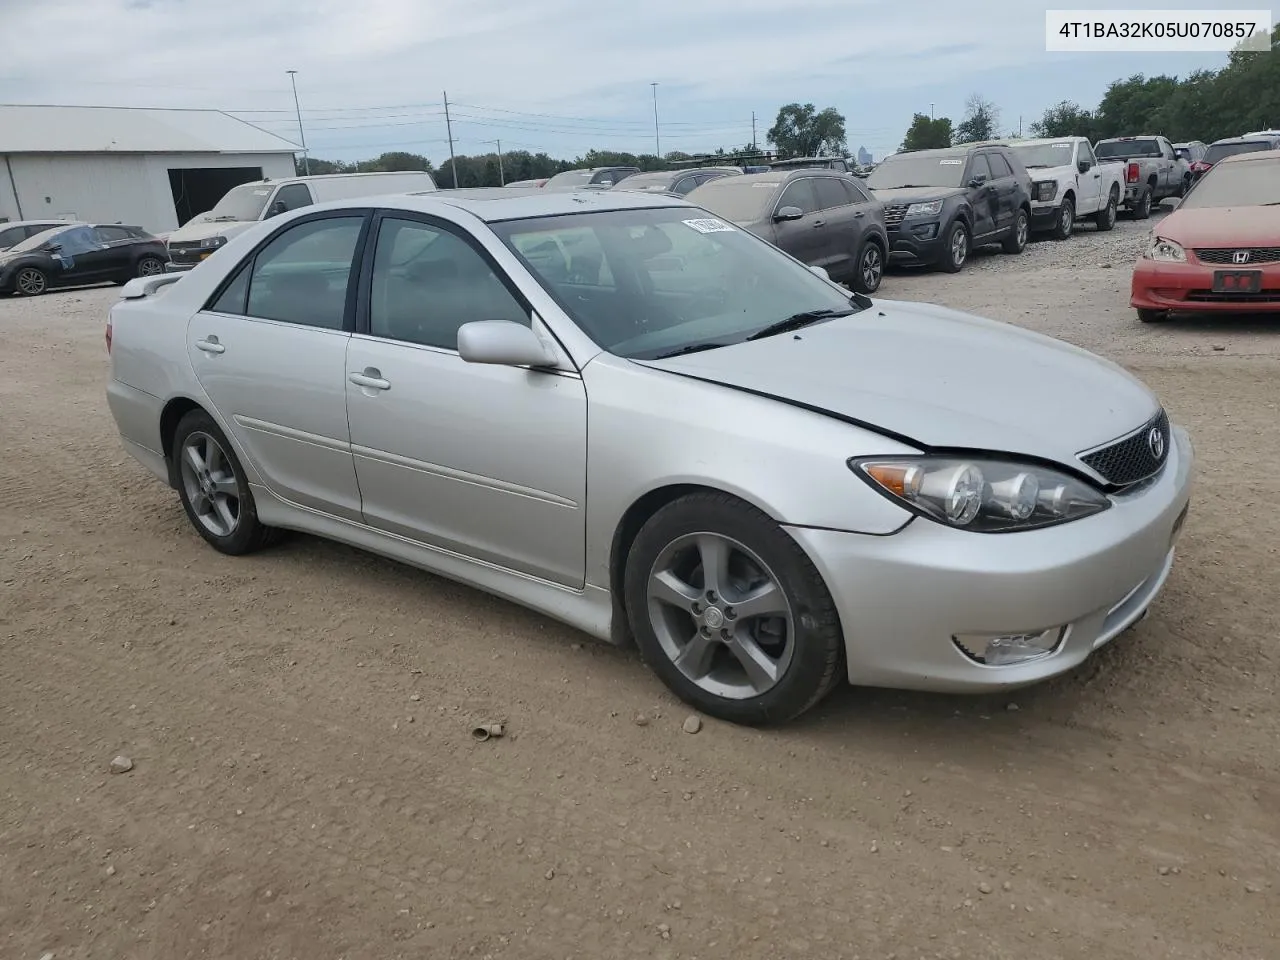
(1220, 150)
(1111, 149)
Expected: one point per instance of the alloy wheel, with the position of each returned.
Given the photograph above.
(959, 246)
(872, 267)
(30, 282)
(210, 483)
(150, 267)
(1022, 230)
(721, 615)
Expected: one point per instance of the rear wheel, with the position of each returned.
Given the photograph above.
(1153, 316)
(214, 490)
(730, 613)
(1142, 206)
(1016, 241)
(1065, 223)
(1106, 217)
(150, 267)
(870, 270)
(30, 282)
(955, 250)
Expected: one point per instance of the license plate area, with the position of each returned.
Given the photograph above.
(1237, 281)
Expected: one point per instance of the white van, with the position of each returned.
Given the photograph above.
(248, 203)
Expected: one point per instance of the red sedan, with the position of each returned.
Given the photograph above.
(1219, 251)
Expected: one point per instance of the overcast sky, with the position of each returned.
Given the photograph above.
(559, 75)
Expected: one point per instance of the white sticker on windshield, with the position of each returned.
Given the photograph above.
(951, 163)
(1062, 146)
(261, 193)
(708, 225)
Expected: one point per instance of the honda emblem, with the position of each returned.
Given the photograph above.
(1240, 256)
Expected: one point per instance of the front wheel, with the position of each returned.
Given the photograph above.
(1066, 220)
(956, 248)
(214, 490)
(30, 282)
(1106, 217)
(1016, 241)
(870, 269)
(730, 613)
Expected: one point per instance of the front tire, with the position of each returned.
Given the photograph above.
(730, 613)
(1017, 239)
(955, 251)
(149, 267)
(1153, 316)
(30, 282)
(1065, 223)
(1105, 219)
(870, 269)
(214, 490)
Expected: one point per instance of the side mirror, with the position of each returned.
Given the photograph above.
(820, 272)
(504, 343)
(277, 208)
(53, 247)
(975, 182)
(1084, 166)
(788, 213)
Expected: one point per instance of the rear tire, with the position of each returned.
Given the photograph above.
(1142, 208)
(1065, 224)
(759, 641)
(1105, 219)
(1017, 239)
(955, 250)
(1153, 316)
(213, 488)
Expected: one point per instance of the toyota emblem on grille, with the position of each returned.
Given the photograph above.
(1155, 440)
(1240, 256)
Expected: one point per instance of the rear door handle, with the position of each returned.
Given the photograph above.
(371, 378)
(859, 215)
(210, 345)
(819, 223)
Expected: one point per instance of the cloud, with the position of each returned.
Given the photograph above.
(563, 75)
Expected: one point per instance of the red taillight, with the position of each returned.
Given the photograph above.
(1133, 173)
(1200, 166)
(108, 336)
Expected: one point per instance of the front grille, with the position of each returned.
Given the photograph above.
(1132, 459)
(894, 214)
(184, 251)
(1208, 296)
(1227, 255)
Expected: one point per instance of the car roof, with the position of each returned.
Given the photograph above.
(6, 224)
(1247, 138)
(960, 150)
(1034, 142)
(1258, 156)
(495, 204)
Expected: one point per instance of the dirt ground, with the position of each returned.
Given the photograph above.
(305, 786)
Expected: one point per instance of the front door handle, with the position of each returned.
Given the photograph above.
(210, 345)
(371, 378)
(819, 223)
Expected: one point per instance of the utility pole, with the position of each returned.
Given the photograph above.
(448, 125)
(753, 130)
(931, 111)
(306, 160)
(657, 144)
(502, 176)
(1019, 126)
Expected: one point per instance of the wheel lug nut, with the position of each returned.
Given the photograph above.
(725, 632)
(711, 596)
(705, 630)
(730, 613)
(697, 607)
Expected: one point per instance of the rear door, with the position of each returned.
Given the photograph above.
(1006, 186)
(119, 245)
(984, 198)
(842, 229)
(805, 239)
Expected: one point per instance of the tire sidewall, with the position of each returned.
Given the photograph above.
(1066, 224)
(858, 283)
(817, 652)
(248, 531)
(1107, 218)
(137, 267)
(948, 258)
(1021, 232)
(22, 293)
(1143, 210)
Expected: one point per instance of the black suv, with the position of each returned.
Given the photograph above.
(940, 204)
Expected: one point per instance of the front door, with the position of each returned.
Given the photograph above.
(1089, 183)
(81, 255)
(806, 239)
(482, 460)
(985, 198)
(270, 352)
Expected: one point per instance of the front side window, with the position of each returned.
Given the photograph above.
(800, 194)
(666, 279)
(428, 282)
(77, 240)
(999, 166)
(294, 195)
(979, 168)
(303, 274)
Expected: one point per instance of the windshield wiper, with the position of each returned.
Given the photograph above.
(691, 348)
(222, 220)
(905, 186)
(798, 320)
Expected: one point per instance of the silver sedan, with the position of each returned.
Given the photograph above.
(628, 414)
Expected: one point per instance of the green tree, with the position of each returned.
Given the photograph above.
(926, 133)
(805, 131)
(1066, 119)
(981, 121)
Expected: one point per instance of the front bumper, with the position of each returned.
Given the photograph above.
(1188, 287)
(902, 598)
(172, 267)
(918, 240)
(1044, 215)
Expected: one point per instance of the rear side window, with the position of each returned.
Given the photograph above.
(11, 236)
(831, 193)
(113, 234)
(301, 276)
(999, 166)
(856, 195)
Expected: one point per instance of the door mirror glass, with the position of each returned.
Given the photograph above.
(1084, 166)
(503, 342)
(788, 213)
(277, 208)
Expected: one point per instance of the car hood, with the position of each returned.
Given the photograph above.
(1222, 227)
(198, 229)
(916, 194)
(937, 378)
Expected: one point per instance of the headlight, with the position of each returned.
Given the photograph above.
(1158, 248)
(208, 243)
(986, 496)
(1046, 189)
(930, 209)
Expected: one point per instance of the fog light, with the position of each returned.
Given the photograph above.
(1010, 649)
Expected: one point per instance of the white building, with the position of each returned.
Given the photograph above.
(150, 168)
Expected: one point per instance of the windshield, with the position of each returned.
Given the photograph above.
(1124, 149)
(917, 170)
(36, 241)
(739, 199)
(570, 178)
(1045, 154)
(242, 204)
(1220, 150)
(1249, 183)
(650, 282)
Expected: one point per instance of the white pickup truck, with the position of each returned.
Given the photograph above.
(1069, 184)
